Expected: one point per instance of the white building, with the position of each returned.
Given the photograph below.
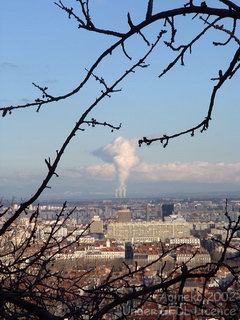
(193, 259)
(190, 240)
(148, 231)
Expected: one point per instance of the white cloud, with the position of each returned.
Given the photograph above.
(190, 171)
(198, 171)
(122, 154)
(105, 171)
(121, 163)
(102, 171)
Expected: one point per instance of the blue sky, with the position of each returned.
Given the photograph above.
(40, 44)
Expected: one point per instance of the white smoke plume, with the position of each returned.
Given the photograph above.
(122, 153)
